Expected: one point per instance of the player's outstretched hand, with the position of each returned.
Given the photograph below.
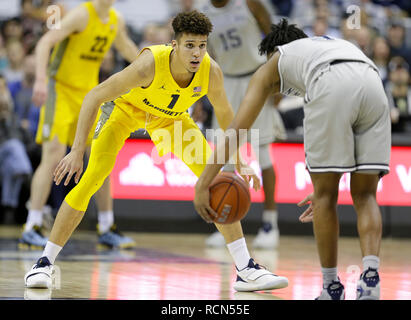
(308, 214)
(248, 174)
(71, 164)
(202, 204)
(39, 93)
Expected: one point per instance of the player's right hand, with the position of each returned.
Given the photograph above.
(39, 92)
(202, 204)
(248, 174)
(308, 214)
(71, 164)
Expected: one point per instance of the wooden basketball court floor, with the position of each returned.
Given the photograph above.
(180, 267)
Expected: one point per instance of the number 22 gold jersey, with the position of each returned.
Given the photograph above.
(76, 60)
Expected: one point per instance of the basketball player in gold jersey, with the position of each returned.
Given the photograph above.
(154, 92)
(80, 43)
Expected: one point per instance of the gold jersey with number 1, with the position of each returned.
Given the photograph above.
(161, 109)
(164, 97)
(73, 71)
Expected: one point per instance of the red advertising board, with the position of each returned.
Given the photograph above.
(140, 173)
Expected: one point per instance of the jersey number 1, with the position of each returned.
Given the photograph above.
(173, 101)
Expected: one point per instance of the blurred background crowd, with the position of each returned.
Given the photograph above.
(381, 28)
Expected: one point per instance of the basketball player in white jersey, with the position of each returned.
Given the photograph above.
(346, 129)
(239, 26)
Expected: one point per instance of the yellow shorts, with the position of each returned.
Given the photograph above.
(180, 136)
(59, 115)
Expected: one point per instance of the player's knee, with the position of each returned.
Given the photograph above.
(79, 197)
(363, 197)
(364, 188)
(326, 187)
(52, 153)
(326, 198)
(92, 179)
(50, 160)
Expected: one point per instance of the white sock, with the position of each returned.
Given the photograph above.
(239, 253)
(105, 220)
(329, 275)
(51, 251)
(270, 216)
(370, 262)
(34, 218)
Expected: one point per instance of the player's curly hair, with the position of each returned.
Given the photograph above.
(191, 22)
(281, 33)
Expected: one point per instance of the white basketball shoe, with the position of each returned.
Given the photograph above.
(334, 291)
(255, 278)
(368, 287)
(40, 275)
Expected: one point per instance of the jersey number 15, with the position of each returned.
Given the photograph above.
(230, 39)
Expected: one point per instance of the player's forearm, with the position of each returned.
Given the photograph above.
(225, 118)
(221, 153)
(42, 58)
(127, 48)
(207, 176)
(249, 109)
(252, 103)
(87, 116)
(131, 51)
(216, 161)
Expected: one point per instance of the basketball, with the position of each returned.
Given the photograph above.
(229, 197)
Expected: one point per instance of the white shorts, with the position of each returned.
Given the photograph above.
(268, 122)
(347, 123)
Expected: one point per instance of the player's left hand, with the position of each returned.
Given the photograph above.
(71, 164)
(248, 174)
(308, 214)
(202, 204)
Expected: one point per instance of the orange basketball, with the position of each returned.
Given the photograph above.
(229, 197)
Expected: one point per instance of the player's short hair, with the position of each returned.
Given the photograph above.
(193, 22)
(281, 33)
